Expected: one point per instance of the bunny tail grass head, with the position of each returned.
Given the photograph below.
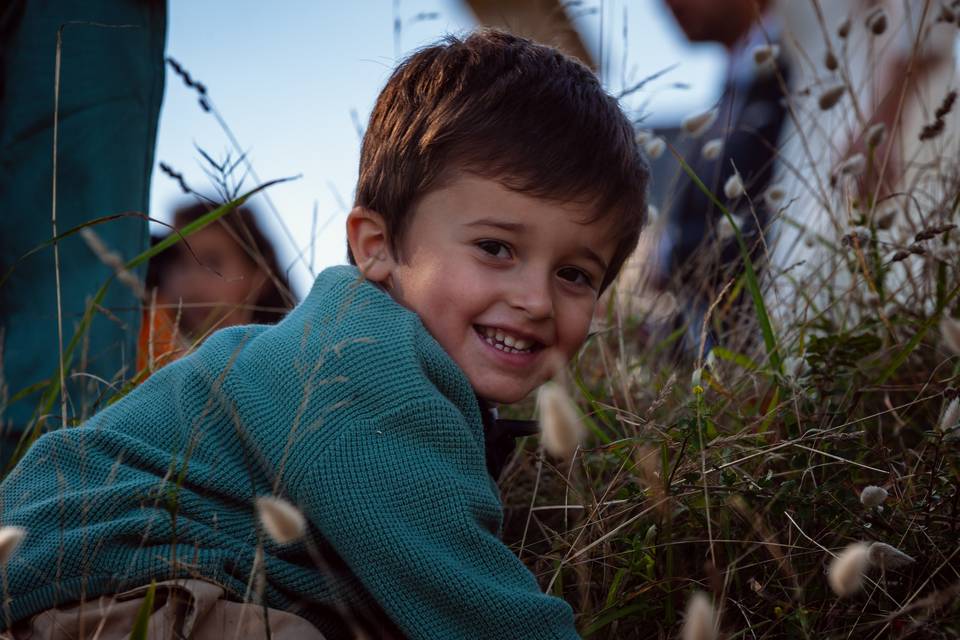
(764, 55)
(10, 539)
(950, 418)
(733, 187)
(887, 556)
(695, 125)
(831, 95)
(282, 521)
(654, 147)
(847, 571)
(873, 496)
(561, 430)
(700, 619)
(712, 149)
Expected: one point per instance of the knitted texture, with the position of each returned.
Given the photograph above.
(348, 409)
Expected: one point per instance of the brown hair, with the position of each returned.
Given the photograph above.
(506, 108)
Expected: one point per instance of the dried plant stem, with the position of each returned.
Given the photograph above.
(703, 475)
(53, 223)
(533, 499)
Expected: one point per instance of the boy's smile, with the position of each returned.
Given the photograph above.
(505, 282)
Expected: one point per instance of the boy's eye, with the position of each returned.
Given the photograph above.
(576, 276)
(495, 248)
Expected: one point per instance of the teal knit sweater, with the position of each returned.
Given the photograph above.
(350, 410)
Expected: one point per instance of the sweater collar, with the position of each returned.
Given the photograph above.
(499, 436)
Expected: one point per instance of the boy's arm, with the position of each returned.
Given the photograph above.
(407, 504)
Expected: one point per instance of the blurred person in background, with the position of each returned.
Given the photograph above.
(226, 274)
(697, 255)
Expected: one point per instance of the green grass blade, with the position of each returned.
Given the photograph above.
(142, 621)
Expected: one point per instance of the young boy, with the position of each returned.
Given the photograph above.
(500, 191)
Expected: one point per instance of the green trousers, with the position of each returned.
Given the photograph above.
(110, 87)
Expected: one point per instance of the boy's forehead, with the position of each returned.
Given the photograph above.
(520, 197)
(504, 203)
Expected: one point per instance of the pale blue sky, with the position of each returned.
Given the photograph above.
(286, 76)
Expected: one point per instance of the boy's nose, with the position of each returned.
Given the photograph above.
(533, 296)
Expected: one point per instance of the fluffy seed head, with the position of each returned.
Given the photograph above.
(733, 187)
(282, 521)
(774, 196)
(725, 229)
(765, 54)
(561, 430)
(700, 619)
(712, 149)
(844, 29)
(642, 136)
(695, 125)
(876, 134)
(655, 147)
(847, 570)
(873, 496)
(793, 367)
(876, 21)
(887, 556)
(830, 61)
(950, 417)
(831, 96)
(950, 330)
(10, 539)
(855, 165)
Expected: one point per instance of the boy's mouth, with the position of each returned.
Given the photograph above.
(505, 341)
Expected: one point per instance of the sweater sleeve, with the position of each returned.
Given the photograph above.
(407, 504)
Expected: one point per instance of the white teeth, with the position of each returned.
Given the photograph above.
(504, 342)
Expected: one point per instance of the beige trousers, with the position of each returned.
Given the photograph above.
(181, 609)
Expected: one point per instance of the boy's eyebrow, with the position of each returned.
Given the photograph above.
(593, 257)
(586, 252)
(500, 224)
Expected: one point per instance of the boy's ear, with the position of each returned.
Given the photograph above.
(367, 236)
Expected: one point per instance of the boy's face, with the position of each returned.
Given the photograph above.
(505, 282)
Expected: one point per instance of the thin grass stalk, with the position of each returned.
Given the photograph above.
(53, 223)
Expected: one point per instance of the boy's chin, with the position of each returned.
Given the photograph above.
(501, 393)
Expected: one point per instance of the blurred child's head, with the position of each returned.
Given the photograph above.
(225, 274)
(500, 191)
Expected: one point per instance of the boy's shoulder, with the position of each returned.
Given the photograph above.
(351, 332)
